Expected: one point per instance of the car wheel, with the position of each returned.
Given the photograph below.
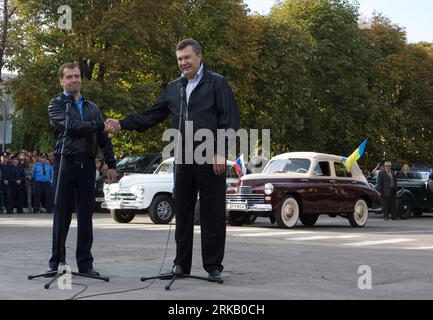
(358, 218)
(308, 220)
(237, 218)
(161, 210)
(418, 213)
(404, 207)
(287, 213)
(251, 219)
(122, 216)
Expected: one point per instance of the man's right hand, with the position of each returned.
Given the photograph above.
(112, 126)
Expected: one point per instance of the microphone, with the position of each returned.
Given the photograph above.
(68, 100)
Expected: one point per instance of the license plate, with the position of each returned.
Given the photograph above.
(114, 205)
(236, 206)
(100, 199)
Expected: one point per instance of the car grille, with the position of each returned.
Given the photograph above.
(251, 198)
(243, 190)
(123, 196)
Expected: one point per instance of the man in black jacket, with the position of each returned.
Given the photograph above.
(84, 134)
(210, 104)
(387, 187)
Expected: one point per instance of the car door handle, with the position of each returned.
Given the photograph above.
(305, 180)
(354, 182)
(332, 181)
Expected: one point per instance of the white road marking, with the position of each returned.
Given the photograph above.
(232, 229)
(346, 236)
(270, 234)
(137, 227)
(419, 248)
(377, 242)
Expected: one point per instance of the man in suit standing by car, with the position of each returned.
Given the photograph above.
(387, 187)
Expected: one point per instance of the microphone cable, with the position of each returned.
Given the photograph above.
(76, 296)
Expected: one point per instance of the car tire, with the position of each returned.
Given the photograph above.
(359, 217)
(161, 210)
(122, 216)
(237, 218)
(418, 213)
(308, 220)
(288, 212)
(404, 207)
(251, 219)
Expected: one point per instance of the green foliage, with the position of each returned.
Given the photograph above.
(307, 71)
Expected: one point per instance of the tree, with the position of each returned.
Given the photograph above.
(7, 11)
(339, 69)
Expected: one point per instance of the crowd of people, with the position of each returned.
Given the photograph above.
(27, 181)
(26, 178)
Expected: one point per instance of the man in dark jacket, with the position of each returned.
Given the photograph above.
(84, 134)
(8, 180)
(17, 198)
(209, 104)
(387, 187)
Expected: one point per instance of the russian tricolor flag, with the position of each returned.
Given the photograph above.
(239, 166)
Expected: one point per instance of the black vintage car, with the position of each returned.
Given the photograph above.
(415, 192)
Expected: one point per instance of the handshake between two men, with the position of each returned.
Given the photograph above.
(112, 126)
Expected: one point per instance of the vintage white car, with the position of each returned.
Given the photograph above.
(150, 193)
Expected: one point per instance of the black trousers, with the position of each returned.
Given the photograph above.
(78, 179)
(190, 180)
(43, 189)
(15, 196)
(389, 206)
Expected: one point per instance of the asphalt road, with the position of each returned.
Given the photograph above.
(384, 260)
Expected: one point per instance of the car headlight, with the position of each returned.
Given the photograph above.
(269, 188)
(140, 190)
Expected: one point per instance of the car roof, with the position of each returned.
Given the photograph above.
(307, 155)
(169, 160)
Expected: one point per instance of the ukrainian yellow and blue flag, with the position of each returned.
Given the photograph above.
(354, 156)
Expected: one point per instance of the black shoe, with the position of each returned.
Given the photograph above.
(51, 272)
(215, 276)
(91, 272)
(386, 218)
(178, 270)
(35, 210)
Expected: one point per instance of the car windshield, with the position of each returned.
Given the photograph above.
(288, 165)
(414, 175)
(164, 168)
(134, 163)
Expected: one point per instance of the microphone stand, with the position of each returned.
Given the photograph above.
(171, 275)
(63, 267)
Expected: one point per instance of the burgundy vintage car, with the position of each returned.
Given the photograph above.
(301, 186)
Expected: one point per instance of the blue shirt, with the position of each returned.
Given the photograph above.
(38, 172)
(192, 84)
(79, 104)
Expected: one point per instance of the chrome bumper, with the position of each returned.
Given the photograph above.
(120, 204)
